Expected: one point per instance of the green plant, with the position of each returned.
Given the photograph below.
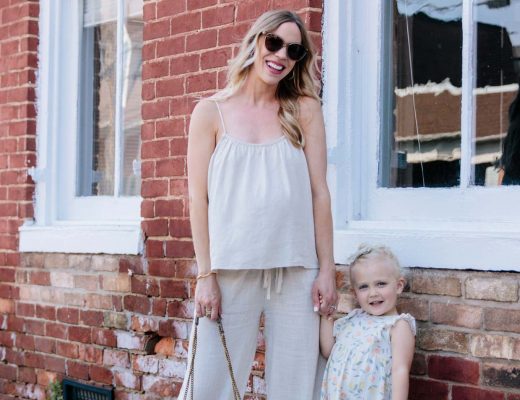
(55, 391)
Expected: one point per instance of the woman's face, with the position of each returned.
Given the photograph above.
(272, 67)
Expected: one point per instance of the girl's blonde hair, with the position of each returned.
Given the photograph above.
(365, 252)
(302, 81)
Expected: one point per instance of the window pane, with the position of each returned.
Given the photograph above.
(96, 149)
(496, 93)
(96, 12)
(421, 133)
(132, 44)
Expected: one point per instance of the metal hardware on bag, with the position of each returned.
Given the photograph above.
(191, 373)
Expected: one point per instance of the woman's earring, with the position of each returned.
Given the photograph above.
(291, 77)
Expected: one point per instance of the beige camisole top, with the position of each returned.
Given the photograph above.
(260, 213)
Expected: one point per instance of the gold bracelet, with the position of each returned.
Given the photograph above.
(200, 276)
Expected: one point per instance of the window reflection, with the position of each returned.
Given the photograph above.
(97, 105)
(102, 101)
(424, 144)
(422, 139)
(132, 62)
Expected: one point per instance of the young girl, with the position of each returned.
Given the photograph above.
(370, 350)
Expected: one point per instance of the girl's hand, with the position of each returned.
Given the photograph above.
(207, 298)
(324, 295)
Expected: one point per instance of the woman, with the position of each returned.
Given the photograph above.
(260, 215)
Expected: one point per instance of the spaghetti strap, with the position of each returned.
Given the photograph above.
(221, 117)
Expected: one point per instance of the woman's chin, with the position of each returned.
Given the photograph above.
(272, 79)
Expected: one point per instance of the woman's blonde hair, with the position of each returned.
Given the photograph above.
(302, 81)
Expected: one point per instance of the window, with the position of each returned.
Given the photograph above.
(89, 123)
(416, 99)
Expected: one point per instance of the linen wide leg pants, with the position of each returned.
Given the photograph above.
(291, 331)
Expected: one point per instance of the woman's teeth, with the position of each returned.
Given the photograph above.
(275, 66)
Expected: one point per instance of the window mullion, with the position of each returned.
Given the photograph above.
(468, 101)
(118, 125)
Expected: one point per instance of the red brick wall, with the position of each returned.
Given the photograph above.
(18, 64)
(124, 321)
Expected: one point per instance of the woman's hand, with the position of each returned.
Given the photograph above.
(324, 295)
(207, 298)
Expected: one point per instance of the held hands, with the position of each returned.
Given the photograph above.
(324, 295)
(207, 297)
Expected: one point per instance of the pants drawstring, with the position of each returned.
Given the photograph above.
(279, 280)
(268, 279)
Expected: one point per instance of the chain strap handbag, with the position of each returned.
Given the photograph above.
(191, 373)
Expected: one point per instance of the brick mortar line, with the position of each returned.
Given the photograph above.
(461, 300)
(466, 357)
(24, 18)
(171, 238)
(25, 84)
(158, 318)
(194, 73)
(173, 57)
(189, 33)
(187, 13)
(431, 326)
(25, 68)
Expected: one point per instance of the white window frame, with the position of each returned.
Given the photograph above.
(63, 221)
(468, 227)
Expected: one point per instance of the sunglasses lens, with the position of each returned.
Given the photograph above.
(273, 43)
(296, 51)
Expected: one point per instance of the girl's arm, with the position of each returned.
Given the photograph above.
(403, 346)
(201, 144)
(326, 337)
(324, 289)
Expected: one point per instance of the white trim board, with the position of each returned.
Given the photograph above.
(73, 238)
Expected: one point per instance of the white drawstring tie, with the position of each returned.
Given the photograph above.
(278, 281)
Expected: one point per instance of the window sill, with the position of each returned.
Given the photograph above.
(489, 247)
(80, 237)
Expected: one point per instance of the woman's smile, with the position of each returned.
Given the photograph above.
(274, 67)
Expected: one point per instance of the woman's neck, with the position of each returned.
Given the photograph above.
(257, 92)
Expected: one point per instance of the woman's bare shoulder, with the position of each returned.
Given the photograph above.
(309, 104)
(205, 116)
(310, 116)
(205, 107)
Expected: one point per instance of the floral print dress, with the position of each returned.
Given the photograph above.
(360, 363)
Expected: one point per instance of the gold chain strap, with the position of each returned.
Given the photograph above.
(191, 373)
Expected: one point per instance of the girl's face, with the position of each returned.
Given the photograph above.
(377, 284)
(272, 67)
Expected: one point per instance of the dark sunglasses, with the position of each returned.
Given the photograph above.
(273, 43)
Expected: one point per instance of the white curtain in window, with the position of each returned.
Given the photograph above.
(96, 12)
(134, 8)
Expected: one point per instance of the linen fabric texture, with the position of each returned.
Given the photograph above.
(291, 334)
(260, 212)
